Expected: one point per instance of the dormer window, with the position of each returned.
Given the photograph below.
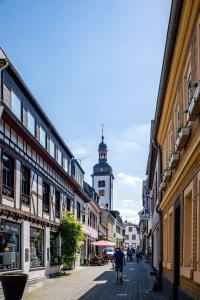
(16, 106)
(52, 148)
(42, 137)
(31, 123)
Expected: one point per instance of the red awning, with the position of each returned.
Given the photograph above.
(103, 243)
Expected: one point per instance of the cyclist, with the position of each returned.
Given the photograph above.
(119, 260)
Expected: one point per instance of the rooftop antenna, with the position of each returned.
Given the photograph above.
(102, 132)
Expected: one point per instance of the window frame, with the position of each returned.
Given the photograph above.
(25, 197)
(34, 126)
(10, 188)
(41, 128)
(45, 199)
(14, 96)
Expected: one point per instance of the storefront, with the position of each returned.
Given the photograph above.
(10, 248)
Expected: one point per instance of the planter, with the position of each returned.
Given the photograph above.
(182, 138)
(13, 285)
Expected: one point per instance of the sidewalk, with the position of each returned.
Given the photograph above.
(97, 282)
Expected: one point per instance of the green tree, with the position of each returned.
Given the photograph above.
(72, 234)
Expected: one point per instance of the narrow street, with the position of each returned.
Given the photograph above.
(97, 282)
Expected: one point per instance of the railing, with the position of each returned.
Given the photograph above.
(8, 191)
(45, 208)
(25, 199)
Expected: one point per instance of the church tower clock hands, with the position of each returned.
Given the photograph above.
(102, 177)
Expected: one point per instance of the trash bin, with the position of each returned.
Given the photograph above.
(13, 285)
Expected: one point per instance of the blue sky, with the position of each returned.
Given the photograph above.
(90, 62)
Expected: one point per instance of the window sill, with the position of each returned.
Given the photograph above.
(186, 272)
(197, 276)
(36, 268)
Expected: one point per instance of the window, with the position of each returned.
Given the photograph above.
(57, 206)
(170, 235)
(189, 88)
(31, 124)
(16, 106)
(78, 210)
(65, 165)
(55, 249)
(133, 237)
(126, 237)
(101, 193)
(46, 189)
(130, 229)
(36, 247)
(101, 183)
(68, 204)
(42, 137)
(52, 148)
(9, 245)
(126, 245)
(25, 185)
(8, 175)
(187, 237)
(59, 157)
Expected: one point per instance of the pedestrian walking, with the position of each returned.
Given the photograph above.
(140, 251)
(119, 259)
(133, 251)
(137, 252)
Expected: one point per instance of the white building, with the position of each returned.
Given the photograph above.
(102, 178)
(132, 237)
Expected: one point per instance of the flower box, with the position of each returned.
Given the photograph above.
(182, 138)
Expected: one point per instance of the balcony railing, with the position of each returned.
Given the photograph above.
(46, 208)
(182, 138)
(194, 105)
(8, 191)
(25, 199)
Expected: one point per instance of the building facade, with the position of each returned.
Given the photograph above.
(177, 134)
(36, 185)
(132, 235)
(118, 229)
(102, 178)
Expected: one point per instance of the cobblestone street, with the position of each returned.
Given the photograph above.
(97, 282)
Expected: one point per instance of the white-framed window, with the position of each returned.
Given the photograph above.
(31, 123)
(52, 148)
(16, 106)
(65, 165)
(59, 157)
(42, 137)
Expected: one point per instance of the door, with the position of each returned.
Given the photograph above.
(177, 228)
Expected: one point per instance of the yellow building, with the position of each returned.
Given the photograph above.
(177, 134)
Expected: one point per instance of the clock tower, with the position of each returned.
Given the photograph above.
(102, 177)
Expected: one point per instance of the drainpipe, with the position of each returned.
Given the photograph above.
(158, 210)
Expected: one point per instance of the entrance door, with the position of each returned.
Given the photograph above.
(177, 228)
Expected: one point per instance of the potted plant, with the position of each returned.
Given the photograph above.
(13, 285)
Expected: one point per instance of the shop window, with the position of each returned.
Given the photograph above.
(16, 106)
(46, 192)
(55, 249)
(8, 175)
(42, 137)
(57, 206)
(36, 247)
(187, 236)
(31, 123)
(78, 210)
(9, 245)
(25, 185)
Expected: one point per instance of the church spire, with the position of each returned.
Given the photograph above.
(102, 147)
(102, 137)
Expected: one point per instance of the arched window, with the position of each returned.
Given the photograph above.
(101, 183)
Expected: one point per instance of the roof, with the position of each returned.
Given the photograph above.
(102, 168)
(173, 25)
(34, 102)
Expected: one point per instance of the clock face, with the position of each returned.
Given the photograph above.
(101, 193)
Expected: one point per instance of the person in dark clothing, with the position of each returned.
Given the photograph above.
(119, 260)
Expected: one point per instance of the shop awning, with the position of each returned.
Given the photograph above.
(103, 243)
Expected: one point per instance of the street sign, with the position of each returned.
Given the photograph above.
(144, 214)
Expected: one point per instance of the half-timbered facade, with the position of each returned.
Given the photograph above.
(36, 185)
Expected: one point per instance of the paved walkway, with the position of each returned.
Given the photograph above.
(97, 282)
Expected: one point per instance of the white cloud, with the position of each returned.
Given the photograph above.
(79, 152)
(128, 179)
(129, 214)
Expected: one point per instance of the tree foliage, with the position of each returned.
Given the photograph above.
(72, 234)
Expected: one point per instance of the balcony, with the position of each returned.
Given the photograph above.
(162, 186)
(166, 175)
(174, 161)
(182, 138)
(194, 105)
